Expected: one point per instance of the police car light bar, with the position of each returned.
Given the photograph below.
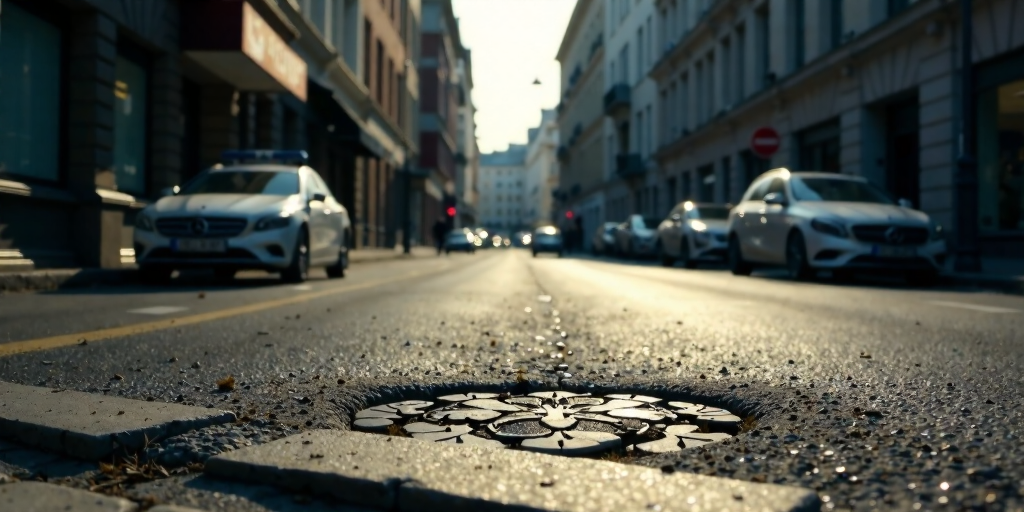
(266, 155)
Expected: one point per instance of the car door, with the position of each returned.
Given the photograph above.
(319, 219)
(748, 223)
(774, 224)
(334, 235)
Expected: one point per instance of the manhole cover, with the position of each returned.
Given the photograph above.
(555, 422)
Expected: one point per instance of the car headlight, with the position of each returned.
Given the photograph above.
(273, 222)
(937, 233)
(698, 226)
(143, 222)
(829, 227)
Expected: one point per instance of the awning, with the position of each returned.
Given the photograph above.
(230, 40)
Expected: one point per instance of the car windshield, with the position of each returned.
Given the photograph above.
(244, 182)
(838, 190)
(651, 223)
(710, 213)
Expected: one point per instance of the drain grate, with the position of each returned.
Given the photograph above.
(556, 422)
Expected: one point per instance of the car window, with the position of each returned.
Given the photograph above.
(313, 185)
(757, 191)
(829, 189)
(321, 185)
(710, 212)
(778, 186)
(244, 182)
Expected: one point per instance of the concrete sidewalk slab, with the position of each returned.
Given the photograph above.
(42, 497)
(397, 473)
(93, 427)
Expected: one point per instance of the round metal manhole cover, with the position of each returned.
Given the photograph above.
(556, 422)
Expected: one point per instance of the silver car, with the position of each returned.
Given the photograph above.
(807, 221)
(604, 238)
(694, 232)
(247, 214)
(637, 237)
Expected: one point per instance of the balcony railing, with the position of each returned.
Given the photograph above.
(617, 98)
(630, 165)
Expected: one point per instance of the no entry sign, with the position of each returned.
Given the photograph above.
(765, 142)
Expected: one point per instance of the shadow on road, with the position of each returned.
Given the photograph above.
(191, 282)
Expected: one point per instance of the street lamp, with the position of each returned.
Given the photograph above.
(967, 259)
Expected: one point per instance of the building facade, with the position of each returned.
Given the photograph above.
(541, 171)
(468, 156)
(104, 105)
(439, 111)
(867, 88)
(583, 177)
(502, 200)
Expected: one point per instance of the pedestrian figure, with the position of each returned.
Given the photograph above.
(440, 230)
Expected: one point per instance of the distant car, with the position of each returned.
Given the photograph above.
(547, 239)
(460, 240)
(810, 221)
(262, 210)
(637, 237)
(483, 237)
(694, 232)
(604, 238)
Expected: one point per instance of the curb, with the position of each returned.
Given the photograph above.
(1004, 284)
(44, 280)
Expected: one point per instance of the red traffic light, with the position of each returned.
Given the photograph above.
(568, 215)
(451, 211)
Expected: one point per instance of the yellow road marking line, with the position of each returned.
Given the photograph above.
(65, 340)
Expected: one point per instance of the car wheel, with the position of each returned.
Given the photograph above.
(737, 265)
(559, 254)
(534, 254)
(631, 250)
(796, 258)
(666, 259)
(298, 271)
(684, 254)
(337, 270)
(924, 278)
(154, 275)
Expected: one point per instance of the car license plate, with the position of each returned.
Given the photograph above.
(888, 251)
(199, 245)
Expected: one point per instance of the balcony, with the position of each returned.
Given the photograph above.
(562, 154)
(630, 165)
(617, 101)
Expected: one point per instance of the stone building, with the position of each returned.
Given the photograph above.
(103, 105)
(583, 176)
(541, 171)
(467, 158)
(859, 87)
(502, 188)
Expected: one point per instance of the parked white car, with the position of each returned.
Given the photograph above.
(637, 237)
(694, 232)
(809, 221)
(255, 213)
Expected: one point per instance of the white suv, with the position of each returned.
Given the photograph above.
(809, 221)
(266, 210)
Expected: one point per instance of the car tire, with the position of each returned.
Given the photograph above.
(796, 258)
(737, 265)
(684, 254)
(150, 274)
(559, 254)
(534, 254)
(666, 259)
(337, 270)
(298, 270)
(923, 279)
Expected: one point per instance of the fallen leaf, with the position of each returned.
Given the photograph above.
(226, 384)
(119, 413)
(47, 363)
(117, 377)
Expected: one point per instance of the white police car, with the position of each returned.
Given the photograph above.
(264, 210)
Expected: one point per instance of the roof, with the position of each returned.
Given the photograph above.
(514, 155)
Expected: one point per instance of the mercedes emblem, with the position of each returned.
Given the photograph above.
(894, 235)
(199, 226)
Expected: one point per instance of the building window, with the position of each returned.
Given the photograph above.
(796, 16)
(819, 147)
(707, 183)
(764, 75)
(835, 8)
(741, 64)
(1001, 157)
(639, 53)
(130, 126)
(30, 96)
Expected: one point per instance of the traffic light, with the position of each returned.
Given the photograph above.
(451, 211)
(568, 214)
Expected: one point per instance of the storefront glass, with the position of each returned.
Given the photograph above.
(1001, 157)
(130, 126)
(30, 60)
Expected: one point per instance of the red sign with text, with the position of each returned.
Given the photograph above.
(765, 142)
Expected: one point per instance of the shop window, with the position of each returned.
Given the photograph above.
(130, 126)
(1001, 157)
(819, 148)
(30, 97)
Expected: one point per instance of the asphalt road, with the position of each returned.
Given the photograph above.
(877, 396)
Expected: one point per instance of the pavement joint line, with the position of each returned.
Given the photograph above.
(404, 474)
(66, 340)
(973, 307)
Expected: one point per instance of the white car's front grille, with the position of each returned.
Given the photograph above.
(890, 235)
(201, 227)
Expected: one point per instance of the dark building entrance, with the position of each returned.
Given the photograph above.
(819, 148)
(902, 154)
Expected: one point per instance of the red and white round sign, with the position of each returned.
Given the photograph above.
(765, 142)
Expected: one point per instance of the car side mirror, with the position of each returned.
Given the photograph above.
(169, 191)
(676, 218)
(776, 198)
(319, 197)
(905, 203)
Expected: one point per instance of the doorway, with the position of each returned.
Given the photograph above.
(902, 158)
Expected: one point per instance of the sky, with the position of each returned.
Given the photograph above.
(514, 42)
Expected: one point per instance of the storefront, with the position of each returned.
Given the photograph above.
(1000, 107)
